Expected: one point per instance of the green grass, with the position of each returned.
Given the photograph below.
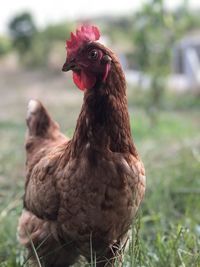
(166, 232)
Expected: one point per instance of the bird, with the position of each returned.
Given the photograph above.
(82, 194)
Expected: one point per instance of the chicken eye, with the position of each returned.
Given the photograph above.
(93, 54)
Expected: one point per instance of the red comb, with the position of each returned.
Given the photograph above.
(86, 33)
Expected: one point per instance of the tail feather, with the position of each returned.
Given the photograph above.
(39, 121)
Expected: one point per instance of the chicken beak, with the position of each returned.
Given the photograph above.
(68, 66)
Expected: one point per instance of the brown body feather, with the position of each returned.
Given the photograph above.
(83, 192)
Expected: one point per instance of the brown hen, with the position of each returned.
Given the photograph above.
(81, 195)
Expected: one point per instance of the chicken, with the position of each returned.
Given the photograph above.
(81, 195)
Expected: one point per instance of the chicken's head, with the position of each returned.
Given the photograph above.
(86, 58)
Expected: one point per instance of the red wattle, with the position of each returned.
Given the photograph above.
(77, 81)
(84, 80)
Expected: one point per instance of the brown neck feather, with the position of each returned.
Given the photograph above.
(104, 121)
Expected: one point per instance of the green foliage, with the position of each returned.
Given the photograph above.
(34, 46)
(22, 30)
(155, 32)
(153, 38)
(37, 55)
(57, 32)
(171, 100)
(43, 44)
(5, 45)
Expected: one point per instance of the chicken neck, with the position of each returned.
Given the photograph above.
(104, 121)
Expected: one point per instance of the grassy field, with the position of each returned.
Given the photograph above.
(166, 232)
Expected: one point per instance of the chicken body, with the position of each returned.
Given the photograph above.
(81, 195)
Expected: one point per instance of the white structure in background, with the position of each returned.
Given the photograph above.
(186, 64)
(185, 73)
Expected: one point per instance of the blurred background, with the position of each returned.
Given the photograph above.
(158, 43)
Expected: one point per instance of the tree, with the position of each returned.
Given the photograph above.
(5, 45)
(155, 32)
(22, 30)
(153, 38)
